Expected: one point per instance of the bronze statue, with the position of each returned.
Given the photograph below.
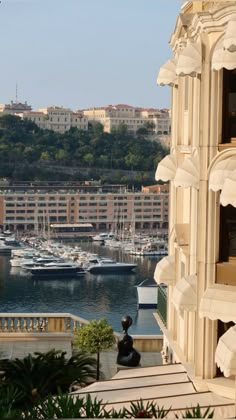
(127, 355)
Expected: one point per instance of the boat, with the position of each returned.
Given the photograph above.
(147, 294)
(108, 266)
(103, 236)
(150, 249)
(56, 270)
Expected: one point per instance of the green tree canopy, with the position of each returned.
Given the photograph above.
(94, 337)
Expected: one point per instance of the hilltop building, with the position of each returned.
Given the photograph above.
(15, 108)
(134, 118)
(200, 270)
(57, 118)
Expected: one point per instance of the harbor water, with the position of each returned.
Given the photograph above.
(89, 296)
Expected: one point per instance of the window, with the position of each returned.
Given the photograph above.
(229, 106)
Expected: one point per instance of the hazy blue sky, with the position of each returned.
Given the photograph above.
(83, 53)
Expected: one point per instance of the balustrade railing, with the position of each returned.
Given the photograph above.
(162, 303)
(39, 322)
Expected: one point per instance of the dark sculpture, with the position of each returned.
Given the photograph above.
(127, 355)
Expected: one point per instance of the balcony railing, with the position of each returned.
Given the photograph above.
(39, 323)
(162, 303)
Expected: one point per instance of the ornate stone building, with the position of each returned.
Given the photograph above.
(200, 270)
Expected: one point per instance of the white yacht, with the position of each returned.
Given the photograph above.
(55, 270)
(108, 266)
(103, 236)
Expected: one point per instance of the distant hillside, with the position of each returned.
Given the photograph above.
(28, 153)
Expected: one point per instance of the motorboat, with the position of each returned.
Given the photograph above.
(150, 249)
(55, 270)
(147, 294)
(103, 236)
(106, 265)
(35, 262)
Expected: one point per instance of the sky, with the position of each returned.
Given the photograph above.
(85, 53)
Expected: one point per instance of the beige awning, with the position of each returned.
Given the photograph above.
(167, 74)
(166, 168)
(187, 174)
(221, 171)
(189, 62)
(229, 40)
(223, 58)
(165, 270)
(219, 302)
(184, 296)
(169, 386)
(228, 193)
(225, 355)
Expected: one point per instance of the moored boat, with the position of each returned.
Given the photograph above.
(105, 265)
(56, 270)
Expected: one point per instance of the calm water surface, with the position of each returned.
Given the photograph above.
(89, 296)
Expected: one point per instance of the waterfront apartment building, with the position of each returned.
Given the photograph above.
(29, 207)
(113, 116)
(200, 269)
(57, 118)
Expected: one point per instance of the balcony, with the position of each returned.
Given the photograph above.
(162, 303)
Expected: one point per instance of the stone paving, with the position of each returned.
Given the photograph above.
(110, 368)
(20, 349)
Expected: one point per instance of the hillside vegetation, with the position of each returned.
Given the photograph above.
(29, 153)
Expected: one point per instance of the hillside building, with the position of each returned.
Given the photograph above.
(134, 118)
(200, 270)
(15, 108)
(57, 118)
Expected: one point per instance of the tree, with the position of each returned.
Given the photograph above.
(89, 158)
(94, 337)
(35, 377)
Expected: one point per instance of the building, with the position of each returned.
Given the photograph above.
(114, 116)
(200, 270)
(57, 118)
(15, 108)
(30, 206)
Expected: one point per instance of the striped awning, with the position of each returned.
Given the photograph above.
(222, 57)
(225, 355)
(167, 74)
(165, 270)
(189, 62)
(184, 296)
(166, 168)
(188, 173)
(218, 302)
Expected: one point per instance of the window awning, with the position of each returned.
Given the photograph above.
(228, 193)
(184, 296)
(168, 386)
(189, 62)
(187, 174)
(218, 302)
(223, 58)
(166, 168)
(165, 270)
(167, 74)
(221, 171)
(225, 355)
(229, 41)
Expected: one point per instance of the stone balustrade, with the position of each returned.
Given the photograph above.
(40, 323)
(58, 326)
